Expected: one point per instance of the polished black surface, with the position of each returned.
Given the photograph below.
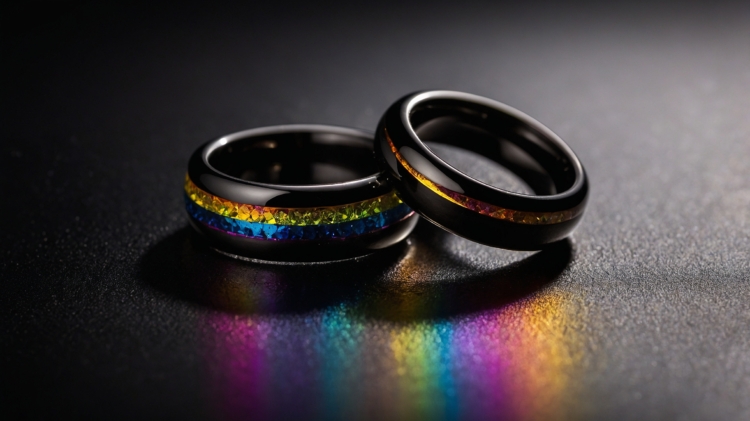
(492, 132)
(495, 131)
(296, 166)
(487, 128)
(110, 309)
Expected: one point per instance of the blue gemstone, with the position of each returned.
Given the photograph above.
(358, 227)
(282, 232)
(309, 232)
(326, 231)
(242, 227)
(255, 229)
(344, 229)
(386, 217)
(295, 233)
(370, 223)
(269, 230)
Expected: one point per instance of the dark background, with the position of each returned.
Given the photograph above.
(110, 308)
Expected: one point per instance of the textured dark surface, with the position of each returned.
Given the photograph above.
(110, 309)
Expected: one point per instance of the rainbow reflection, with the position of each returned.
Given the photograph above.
(516, 362)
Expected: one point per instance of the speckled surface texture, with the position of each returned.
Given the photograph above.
(110, 308)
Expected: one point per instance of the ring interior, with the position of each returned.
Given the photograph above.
(511, 142)
(296, 158)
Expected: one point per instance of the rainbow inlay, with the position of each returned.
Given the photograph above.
(269, 223)
(484, 208)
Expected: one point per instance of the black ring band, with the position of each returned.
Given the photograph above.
(468, 207)
(295, 193)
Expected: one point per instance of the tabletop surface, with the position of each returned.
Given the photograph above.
(111, 308)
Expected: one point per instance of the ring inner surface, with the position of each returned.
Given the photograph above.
(296, 158)
(506, 140)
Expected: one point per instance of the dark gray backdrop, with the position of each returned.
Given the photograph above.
(110, 308)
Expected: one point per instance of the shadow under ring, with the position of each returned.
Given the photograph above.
(294, 193)
(468, 207)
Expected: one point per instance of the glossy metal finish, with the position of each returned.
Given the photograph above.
(273, 154)
(294, 168)
(468, 207)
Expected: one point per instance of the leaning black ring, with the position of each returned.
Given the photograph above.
(295, 193)
(466, 206)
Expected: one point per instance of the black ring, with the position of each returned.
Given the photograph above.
(294, 193)
(468, 207)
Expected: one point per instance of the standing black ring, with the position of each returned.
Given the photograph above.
(294, 193)
(468, 207)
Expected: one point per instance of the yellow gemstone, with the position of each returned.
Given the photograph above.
(376, 206)
(230, 208)
(315, 217)
(306, 217)
(217, 205)
(243, 212)
(364, 209)
(297, 217)
(349, 213)
(328, 216)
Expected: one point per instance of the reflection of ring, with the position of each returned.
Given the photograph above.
(294, 193)
(468, 207)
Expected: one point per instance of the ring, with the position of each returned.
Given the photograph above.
(466, 206)
(294, 193)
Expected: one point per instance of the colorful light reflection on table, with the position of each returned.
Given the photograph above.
(515, 362)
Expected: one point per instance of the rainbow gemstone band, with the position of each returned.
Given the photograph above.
(484, 208)
(268, 223)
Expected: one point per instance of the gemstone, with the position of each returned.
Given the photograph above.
(282, 218)
(255, 228)
(344, 229)
(282, 232)
(328, 216)
(243, 212)
(315, 217)
(295, 233)
(310, 232)
(268, 230)
(275, 232)
(359, 227)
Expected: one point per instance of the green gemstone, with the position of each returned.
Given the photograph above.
(363, 209)
(282, 218)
